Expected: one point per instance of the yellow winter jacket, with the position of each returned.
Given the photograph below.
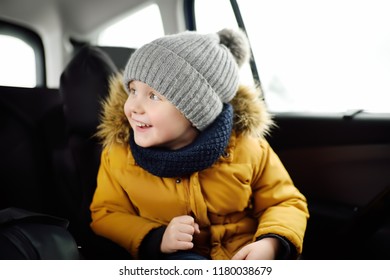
(247, 193)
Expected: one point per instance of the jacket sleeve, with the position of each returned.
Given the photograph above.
(277, 203)
(113, 214)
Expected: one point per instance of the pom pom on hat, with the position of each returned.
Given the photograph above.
(196, 73)
(236, 41)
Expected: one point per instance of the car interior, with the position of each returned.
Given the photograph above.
(50, 156)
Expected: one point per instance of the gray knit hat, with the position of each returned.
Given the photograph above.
(196, 73)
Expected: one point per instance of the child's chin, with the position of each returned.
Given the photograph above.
(142, 144)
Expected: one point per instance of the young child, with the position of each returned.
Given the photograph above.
(186, 172)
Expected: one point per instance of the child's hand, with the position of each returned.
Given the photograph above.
(178, 235)
(264, 249)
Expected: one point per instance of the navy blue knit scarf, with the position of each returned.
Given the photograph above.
(200, 154)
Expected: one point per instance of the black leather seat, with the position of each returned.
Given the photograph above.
(25, 235)
(83, 85)
(30, 200)
(119, 55)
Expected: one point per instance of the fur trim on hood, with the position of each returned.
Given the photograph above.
(250, 114)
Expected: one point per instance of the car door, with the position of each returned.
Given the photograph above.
(341, 163)
(322, 70)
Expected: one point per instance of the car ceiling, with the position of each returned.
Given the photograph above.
(76, 17)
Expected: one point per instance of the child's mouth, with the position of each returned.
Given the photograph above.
(142, 125)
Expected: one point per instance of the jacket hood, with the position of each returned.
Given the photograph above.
(250, 114)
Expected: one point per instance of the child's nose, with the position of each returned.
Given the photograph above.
(136, 104)
(133, 105)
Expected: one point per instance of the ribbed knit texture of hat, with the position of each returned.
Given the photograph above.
(195, 72)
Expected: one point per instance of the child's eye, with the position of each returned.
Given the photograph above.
(154, 97)
(132, 91)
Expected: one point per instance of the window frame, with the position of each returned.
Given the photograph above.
(190, 21)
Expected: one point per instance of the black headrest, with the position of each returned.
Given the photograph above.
(83, 85)
(119, 55)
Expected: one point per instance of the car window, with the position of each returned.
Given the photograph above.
(321, 55)
(22, 57)
(207, 22)
(134, 30)
(17, 67)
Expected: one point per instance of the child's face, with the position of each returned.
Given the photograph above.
(155, 121)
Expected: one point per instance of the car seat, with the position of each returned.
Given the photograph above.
(26, 235)
(83, 85)
(33, 209)
(118, 55)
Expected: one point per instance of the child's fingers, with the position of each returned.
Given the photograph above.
(241, 255)
(182, 245)
(183, 221)
(182, 236)
(196, 227)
